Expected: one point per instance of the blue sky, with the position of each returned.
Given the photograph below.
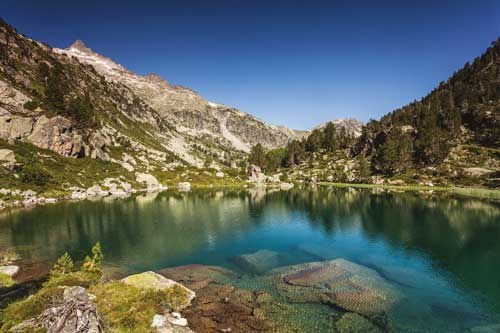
(297, 63)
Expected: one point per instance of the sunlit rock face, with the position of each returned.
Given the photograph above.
(190, 113)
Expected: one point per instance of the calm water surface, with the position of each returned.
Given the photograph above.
(442, 253)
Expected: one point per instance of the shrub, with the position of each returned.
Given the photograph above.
(63, 266)
(34, 174)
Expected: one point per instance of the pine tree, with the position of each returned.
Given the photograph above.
(274, 159)
(294, 154)
(257, 156)
(55, 89)
(93, 265)
(63, 265)
(363, 169)
(395, 154)
(330, 137)
(314, 141)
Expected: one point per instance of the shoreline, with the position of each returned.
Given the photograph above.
(470, 192)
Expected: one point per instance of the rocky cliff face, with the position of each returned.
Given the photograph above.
(191, 114)
(351, 125)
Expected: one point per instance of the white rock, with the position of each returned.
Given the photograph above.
(78, 195)
(219, 174)
(10, 270)
(118, 193)
(150, 181)
(184, 186)
(286, 186)
(177, 321)
(50, 200)
(5, 191)
(96, 190)
(28, 194)
(7, 155)
(159, 321)
(128, 167)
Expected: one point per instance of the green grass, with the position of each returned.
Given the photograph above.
(30, 307)
(6, 281)
(470, 192)
(128, 309)
(199, 178)
(49, 173)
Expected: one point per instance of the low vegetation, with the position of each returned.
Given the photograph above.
(122, 307)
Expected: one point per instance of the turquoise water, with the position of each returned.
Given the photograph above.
(442, 253)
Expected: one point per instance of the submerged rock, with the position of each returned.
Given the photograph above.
(222, 307)
(198, 276)
(493, 328)
(258, 262)
(151, 280)
(354, 323)
(338, 282)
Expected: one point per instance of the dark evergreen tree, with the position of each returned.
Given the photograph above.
(330, 137)
(314, 141)
(395, 154)
(257, 156)
(294, 154)
(56, 89)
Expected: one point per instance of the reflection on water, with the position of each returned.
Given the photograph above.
(444, 249)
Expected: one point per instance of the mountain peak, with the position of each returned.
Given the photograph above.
(80, 45)
(153, 77)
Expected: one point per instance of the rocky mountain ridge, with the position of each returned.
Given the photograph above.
(352, 126)
(191, 114)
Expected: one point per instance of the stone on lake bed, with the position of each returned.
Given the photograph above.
(354, 323)
(151, 280)
(340, 283)
(258, 262)
(9, 270)
(493, 328)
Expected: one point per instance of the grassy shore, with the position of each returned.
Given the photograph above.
(469, 192)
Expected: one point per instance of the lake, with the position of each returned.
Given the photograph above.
(441, 253)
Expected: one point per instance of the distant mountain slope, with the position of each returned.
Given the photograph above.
(190, 113)
(455, 126)
(351, 125)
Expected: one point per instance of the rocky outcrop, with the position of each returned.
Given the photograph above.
(152, 184)
(255, 174)
(151, 280)
(7, 156)
(14, 127)
(56, 134)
